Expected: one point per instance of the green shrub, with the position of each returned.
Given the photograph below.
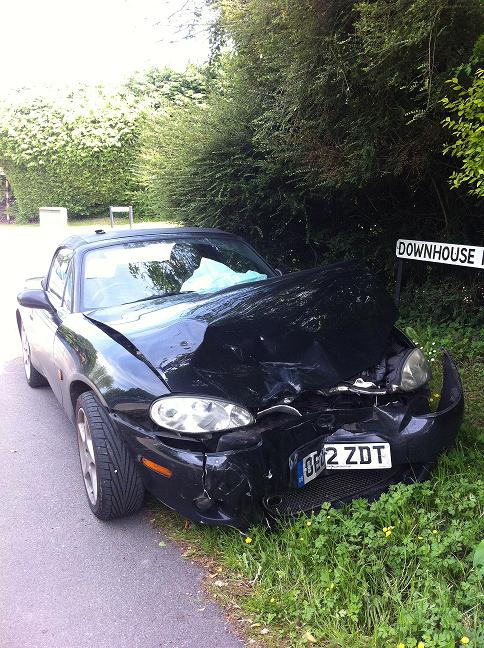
(323, 136)
(74, 151)
(467, 126)
(444, 297)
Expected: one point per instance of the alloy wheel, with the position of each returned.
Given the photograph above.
(26, 353)
(86, 453)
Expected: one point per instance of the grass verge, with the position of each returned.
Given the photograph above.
(398, 572)
(102, 221)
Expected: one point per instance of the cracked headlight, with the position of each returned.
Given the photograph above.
(198, 415)
(415, 371)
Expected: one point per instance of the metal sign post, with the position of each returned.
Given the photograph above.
(121, 210)
(468, 256)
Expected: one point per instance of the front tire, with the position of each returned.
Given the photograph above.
(111, 477)
(34, 378)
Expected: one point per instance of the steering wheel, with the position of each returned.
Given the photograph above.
(106, 288)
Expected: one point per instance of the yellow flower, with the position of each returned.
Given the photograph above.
(464, 640)
(310, 637)
(401, 645)
(308, 523)
(419, 537)
(434, 531)
(248, 540)
(388, 533)
(420, 644)
(273, 600)
(385, 529)
(332, 586)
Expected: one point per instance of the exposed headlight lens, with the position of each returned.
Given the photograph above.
(415, 371)
(198, 415)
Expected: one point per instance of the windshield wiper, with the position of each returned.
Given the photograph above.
(167, 294)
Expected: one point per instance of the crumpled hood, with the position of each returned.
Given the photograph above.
(254, 343)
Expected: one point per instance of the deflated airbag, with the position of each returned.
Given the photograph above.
(212, 275)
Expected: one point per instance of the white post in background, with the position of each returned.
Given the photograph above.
(121, 210)
(53, 216)
(7, 199)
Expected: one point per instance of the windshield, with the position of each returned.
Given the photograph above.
(133, 271)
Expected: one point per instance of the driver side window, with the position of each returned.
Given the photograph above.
(58, 276)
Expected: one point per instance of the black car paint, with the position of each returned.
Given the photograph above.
(229, 483)
(122, 356)
(253, 344)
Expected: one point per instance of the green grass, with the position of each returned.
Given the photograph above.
(101, 221)
(98, 221)
(338, 579)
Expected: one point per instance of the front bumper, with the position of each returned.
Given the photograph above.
(252, 474)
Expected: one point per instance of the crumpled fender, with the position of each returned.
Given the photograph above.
(253, 343)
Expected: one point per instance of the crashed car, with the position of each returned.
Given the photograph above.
(232, 392)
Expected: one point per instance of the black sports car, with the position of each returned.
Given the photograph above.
(233, 393)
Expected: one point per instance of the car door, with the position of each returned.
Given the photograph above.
(45, 323)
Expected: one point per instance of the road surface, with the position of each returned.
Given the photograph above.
(68, 580)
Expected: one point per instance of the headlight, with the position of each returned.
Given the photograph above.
(415, 371)
(198, 415)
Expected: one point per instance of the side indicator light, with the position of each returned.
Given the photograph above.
(166, 472)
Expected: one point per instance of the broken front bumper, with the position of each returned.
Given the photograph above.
(253, 472)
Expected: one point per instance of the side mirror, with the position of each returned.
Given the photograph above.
(34, 299)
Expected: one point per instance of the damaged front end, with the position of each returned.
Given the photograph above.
(282, 395)
(242, 476)
(259, 474)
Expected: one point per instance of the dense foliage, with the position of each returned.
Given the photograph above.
(467, 125)
(160, 87)
(324, 136)
(77, 148)
(167, 97)
(75, 151)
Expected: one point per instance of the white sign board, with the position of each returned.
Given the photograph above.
(53, 216)
(119, 210)
(470, 256)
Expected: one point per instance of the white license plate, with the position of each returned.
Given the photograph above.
(344, 456)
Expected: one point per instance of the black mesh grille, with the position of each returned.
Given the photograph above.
(337, 487)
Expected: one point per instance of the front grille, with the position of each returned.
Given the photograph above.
(334, 488)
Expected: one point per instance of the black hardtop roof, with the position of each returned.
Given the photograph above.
(101, 236)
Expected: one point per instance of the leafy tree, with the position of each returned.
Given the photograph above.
(166, 95)
(77, 149)
(163, 86)
(322, 137)
(467, 126)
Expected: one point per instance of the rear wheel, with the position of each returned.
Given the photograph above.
(34, 378)
(111, 477)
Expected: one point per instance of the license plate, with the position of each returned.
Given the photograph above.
(343, 456)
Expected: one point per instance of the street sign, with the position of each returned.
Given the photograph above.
(469, 256)
(121, 210)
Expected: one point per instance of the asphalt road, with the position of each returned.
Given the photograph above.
(68, 580)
